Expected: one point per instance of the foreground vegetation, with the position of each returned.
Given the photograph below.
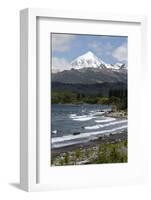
(115, 152)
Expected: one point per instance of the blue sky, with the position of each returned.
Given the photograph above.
(67, 47)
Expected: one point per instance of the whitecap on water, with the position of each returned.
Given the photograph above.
(83, 137)
(114, 123)
(81, 118)
(99, 113)
(54, 132)
(93, 127)
(105, 120)
(72, 115)
(104, 125)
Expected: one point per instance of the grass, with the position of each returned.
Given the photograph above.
(102, 153)
(112, 153)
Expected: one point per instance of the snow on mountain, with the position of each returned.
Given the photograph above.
(115, 67)
(90, 60)
(89, 69)
(87, 60)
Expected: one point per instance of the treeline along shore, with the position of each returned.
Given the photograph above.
(117, 98)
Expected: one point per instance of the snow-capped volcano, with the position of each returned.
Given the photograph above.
(88, 68)
(90, 60)
(87, 60)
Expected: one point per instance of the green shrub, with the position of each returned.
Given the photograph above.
(78, 153)
(66, 159)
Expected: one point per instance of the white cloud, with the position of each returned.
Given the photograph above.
(100, 48)
(60, 64)
(61, 42)
(120, 53)
(97, 48)
(109, 46)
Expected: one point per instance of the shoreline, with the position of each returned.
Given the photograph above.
(121, 135)
(116, 114)
(58, 155)
(108, 147)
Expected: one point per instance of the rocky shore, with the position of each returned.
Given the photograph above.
(111, 148)
(116, 114)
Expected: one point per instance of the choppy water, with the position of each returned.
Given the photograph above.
(71, 124)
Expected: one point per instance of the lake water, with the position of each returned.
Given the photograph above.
(71, 124)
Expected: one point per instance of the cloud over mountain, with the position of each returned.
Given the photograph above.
(61, 42)
(121, 53)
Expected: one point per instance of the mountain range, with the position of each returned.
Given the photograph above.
(89, 69)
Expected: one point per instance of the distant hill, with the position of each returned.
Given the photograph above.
(90, 76)
(88, 89)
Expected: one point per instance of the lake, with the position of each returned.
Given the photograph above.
(71, 124)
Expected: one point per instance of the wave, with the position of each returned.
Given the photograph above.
(85, 117)
(69, 143)
(91, 115)
(83, 137)
(104, 125)
(78, 117)
(105, 120)
(82, 118)
(92, 127)
(72, 115)
(54, 132)
(114, 123)
(99, 113)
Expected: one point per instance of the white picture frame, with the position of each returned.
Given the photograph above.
(29, 148)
